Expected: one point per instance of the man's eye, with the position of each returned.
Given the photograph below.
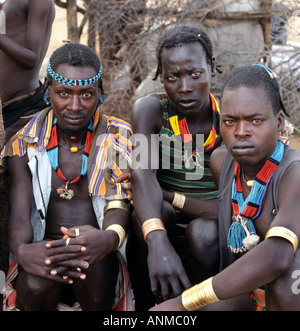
(171, 78)
(196, 74)
(63, 93)
(87, 94)
(228, 122)
(257, 121)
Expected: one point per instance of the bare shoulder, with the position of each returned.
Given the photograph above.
(17, 166)
(45, 7)
(45, 4)
(146, 114)
(290, 182)
(216, 161)
(288, 199)
(149, 101)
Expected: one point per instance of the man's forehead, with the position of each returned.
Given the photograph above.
(193, 48)
(191, 54)
(77, 70)
(252, 100)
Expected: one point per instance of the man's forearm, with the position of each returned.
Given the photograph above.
(147, 195)
(21, 55)
(195, 208)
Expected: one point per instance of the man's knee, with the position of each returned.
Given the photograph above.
(36, 286)
(202, 236)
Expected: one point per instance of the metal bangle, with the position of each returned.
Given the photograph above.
(199, 296)
(120, 232)
(152, 224)
(116, 204)
(178, 201)
(282, 232)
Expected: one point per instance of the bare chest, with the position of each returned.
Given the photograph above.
(72, 207)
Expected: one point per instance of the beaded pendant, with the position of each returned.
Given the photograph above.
(64, 192)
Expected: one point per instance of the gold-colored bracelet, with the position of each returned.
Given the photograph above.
(152, 224)
(199, 296)
(178, 201)
(120, 232)
(116, 204)
(282, 232)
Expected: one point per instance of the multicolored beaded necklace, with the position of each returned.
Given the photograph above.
(242, 233)
(52, 150)
(180, 127)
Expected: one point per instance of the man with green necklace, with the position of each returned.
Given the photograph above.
(258, 202)
(68, 220)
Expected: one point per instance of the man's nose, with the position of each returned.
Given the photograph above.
(74, 103)
(185, 86)
(242, 129)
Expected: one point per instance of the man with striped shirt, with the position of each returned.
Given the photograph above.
(176, 173)
(68, 219)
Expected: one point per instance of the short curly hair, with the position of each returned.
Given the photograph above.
(257, 76)
(181, 35)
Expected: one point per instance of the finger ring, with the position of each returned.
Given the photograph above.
(78, 269)
(76, 232)
(67, 241)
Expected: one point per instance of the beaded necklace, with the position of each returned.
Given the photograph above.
(180, 127)
(242, 234)
(52, 150)
(73, 149)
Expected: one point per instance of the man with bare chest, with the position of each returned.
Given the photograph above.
(69, 219)
(23, 47)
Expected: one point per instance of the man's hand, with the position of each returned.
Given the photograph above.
(166, 271)
(80, 247)
(32, 258)
(124, 179)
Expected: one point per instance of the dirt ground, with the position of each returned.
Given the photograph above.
(295, 141)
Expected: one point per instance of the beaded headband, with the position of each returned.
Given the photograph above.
(73, 82)
(271, 73)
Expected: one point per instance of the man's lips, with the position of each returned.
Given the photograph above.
(243, 148)
(73, 119)
(186, 102)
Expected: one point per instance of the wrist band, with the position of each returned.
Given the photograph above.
(116, 204)
(282, 232)
(178, 201)
(152, 224)
(199, 296)
(120, 232)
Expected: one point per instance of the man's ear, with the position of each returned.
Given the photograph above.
(280, 120)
